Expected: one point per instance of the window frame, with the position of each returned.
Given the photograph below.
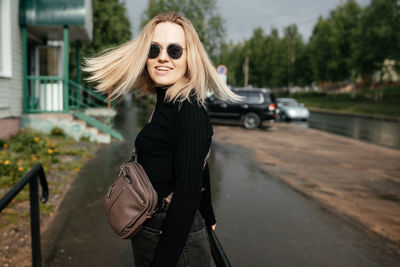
(251, 100)
(5, 39)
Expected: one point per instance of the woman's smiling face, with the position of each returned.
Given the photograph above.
(163, 69)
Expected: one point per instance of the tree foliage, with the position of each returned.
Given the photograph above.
(202, 13)
(352, 43)
(111, 27)
(377, 37)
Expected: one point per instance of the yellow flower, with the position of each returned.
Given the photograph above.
(5, 145)
(20, 168)
(50, 151)
(53, 145)
(77, 169)
(6, 162)
(36, 139)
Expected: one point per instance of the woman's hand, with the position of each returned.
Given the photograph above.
(213, 226)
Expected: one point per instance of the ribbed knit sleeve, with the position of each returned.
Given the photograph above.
(206, 208)
(191, 138)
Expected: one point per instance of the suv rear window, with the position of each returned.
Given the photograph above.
(251, 97)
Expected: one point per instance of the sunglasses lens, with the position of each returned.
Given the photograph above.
(154, 51)
(175, 51)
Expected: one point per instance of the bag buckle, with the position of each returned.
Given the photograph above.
(109, 190)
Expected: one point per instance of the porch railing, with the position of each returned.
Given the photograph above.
(47, 94)
(82, 97)
(32, 178)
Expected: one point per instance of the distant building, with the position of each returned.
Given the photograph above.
(388, 72)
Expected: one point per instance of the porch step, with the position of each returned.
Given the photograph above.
(95, 123)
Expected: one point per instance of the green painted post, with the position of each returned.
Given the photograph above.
(66, 69)
(25, 68)
(78, 72)
(78, 61)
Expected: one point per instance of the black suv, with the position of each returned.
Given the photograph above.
(258, 105)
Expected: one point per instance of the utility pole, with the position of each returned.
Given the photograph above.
(246, 71)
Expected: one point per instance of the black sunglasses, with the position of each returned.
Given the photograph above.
(174, 51)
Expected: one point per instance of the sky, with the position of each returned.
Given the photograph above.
(242, 16)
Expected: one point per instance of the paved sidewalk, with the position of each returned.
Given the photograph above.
(80, 234)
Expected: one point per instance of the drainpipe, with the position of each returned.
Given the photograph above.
(66, 68)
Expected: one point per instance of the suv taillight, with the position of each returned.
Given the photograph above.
(271, 107)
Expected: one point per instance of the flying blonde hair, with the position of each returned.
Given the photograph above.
(120, 69)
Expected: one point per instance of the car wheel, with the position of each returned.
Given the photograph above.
(284, 117)
(251, 120)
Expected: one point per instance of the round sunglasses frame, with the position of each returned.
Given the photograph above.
(174, 51)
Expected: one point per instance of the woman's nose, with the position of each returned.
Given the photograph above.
(163, 55)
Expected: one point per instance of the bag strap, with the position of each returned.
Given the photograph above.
(167, 200)
(134, 152)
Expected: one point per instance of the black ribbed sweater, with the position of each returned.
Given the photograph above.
(171, 149)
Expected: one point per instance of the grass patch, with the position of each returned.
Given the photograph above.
(363, 102)
(20, 153)
(46, 208)
(70, 166)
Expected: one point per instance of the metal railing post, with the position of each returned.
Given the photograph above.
(66, 68)
(35, 223)
(26, 98)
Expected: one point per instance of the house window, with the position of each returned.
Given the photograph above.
(5, 38)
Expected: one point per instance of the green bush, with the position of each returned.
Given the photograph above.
(10, 170)
(57, 131)
(3, 143)
(28, 141)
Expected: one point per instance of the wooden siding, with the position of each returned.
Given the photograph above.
(11, 89)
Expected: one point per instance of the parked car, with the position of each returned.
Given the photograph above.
(258, 105)
(290, 109)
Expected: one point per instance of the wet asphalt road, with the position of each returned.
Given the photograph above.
(380, 132)
(261, 221)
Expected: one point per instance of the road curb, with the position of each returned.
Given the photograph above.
(359, 115)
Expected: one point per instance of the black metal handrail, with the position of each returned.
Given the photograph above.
(31, 177)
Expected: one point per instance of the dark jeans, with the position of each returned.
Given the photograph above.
(195, 253)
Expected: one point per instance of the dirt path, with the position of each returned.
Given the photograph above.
(358, 180)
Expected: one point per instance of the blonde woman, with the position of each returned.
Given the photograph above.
(168, 59)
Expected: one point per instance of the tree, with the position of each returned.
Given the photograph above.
(277, 60)
(111, 27)
(321, 47)
(202, 13)
(294, 44)
(377, 37)
(233, 56)
(345, 19)
(256, 49)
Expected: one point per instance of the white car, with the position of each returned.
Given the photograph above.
(290, 109)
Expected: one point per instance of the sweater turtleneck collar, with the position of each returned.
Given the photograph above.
(161, 92)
